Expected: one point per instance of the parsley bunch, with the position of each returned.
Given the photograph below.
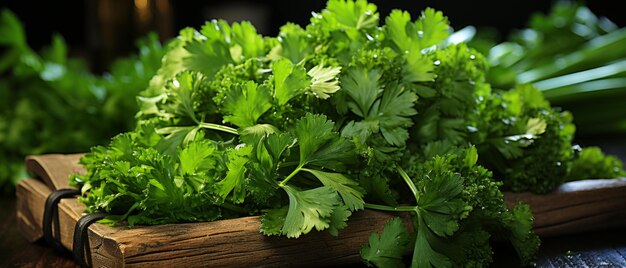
(344, 114)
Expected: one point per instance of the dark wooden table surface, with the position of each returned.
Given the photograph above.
(605, 248)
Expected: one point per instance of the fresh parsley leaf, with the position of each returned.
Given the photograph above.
(289, 80)
(293, 43)
(195, 157)
(394, 111)
(362, 87)
(387, 249)
(318, 142)
(207, 56)
(309, 209)
(433, 26)
(272, 221)
(245, 104)
(324, 80)
(348, 189)
(339, 219)
(236, 175)
(245, 36)
(355, 14)
(387, 113)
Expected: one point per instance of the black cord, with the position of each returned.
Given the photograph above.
(81, 238)
(50, 214)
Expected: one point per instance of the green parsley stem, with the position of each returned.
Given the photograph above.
(293, 173)
(390, 208)
(409, 182)
(219, 127)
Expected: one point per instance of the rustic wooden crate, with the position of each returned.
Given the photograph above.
(574, 207)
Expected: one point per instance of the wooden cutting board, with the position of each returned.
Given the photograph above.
(574, 207)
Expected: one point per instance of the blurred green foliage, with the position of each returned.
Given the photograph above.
(50, 103)
(577, 60)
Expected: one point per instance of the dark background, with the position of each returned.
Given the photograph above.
(100, 30)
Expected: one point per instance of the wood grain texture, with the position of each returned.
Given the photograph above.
(574, 208)
(54, 169)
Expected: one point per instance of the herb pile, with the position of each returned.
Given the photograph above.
(52, 104)
(319, 122)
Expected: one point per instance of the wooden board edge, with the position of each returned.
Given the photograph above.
(54, 169)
